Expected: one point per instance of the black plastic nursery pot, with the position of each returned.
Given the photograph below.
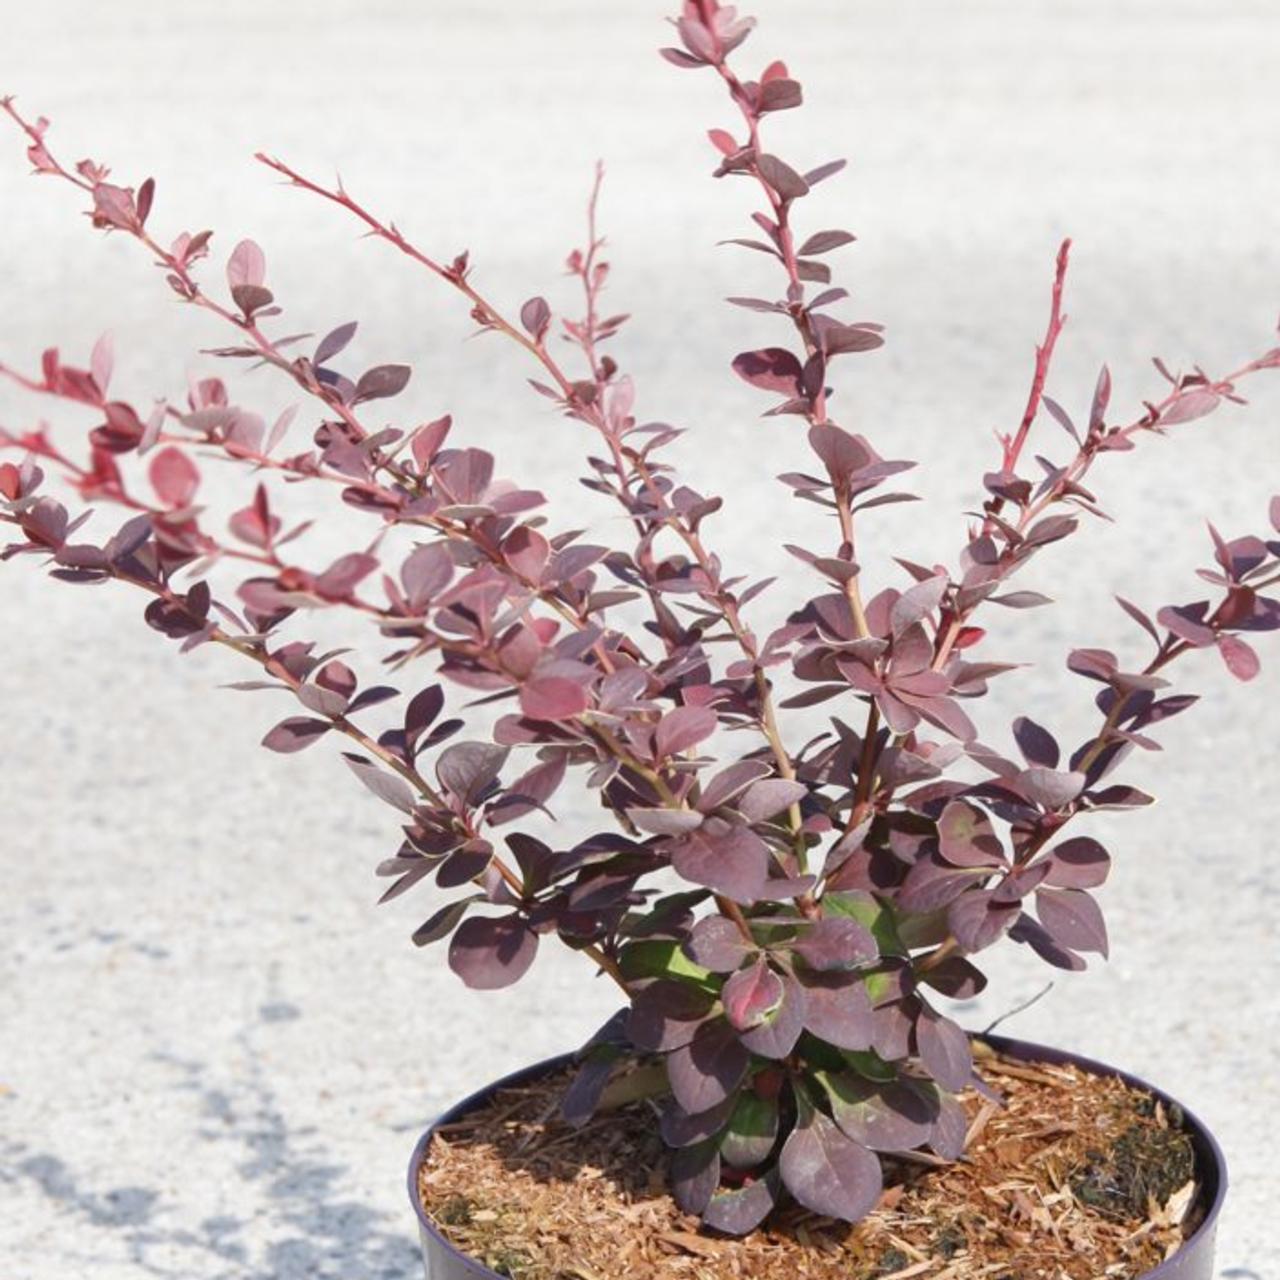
(1193, 1261)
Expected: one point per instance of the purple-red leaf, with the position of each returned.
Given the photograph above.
(827, 1171)
(1072, 919)
(1240, 658)
(738, 1213)
(386, 786)
(382, 381)
(770, 369)
(837, 1009)
(944, 1050)
(966, 837)
(835, 943)
(552, 697)
(782, 177)
(246, 266)
(825, 241)
(716, 943)
(296, 734)
(174, 477)
(707, 1070)
(467, 769)
(1079, 863)
(726, 857)
(489, 952)
(751, 994)
(683, 728)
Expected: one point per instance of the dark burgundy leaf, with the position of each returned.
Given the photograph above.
(717, 944)
(465, 864)
(680, 1129)
(955, 977)
(769, 797)
(731, 782)
(770, 369)
(1190, 405)
(678, 57)
(334, 341)
(978, 919)
(1186, 622)
(836, 943)
(950, 1129)
(825, 241)
(709, 1068)
(738, 1213)
(552, 698)
(780, 95)
(776, 1036)
(932, 884)
(665, 822)
(296, 734)
(915, 604)
(443, 922)
(837, 1009)
(247, 265)
(727, 858)
(883, 1117)
(488, 952)
(782, 177)
(535, 316)
(1101, 398)
(751, 994)
(665, 1014)
(828, 1172)
(1080, 863)
(174, 477)
(382, 381)
(683, 728)
(695, 1176)
(966, 837)
(467, 769)
(1037, 744)
(251, 298)
(342, 577)
(842, 339)
(1072, 919)
(582, 1097)
(1240, 658)
(386, 786)
(1037, 937)
(944, 1050)
(1050, 788)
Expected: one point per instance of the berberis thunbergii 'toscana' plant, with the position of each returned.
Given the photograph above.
(782, 918)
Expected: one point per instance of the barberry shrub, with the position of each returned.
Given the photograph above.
(783, 919)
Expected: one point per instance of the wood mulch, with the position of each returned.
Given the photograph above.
(1075, 1177)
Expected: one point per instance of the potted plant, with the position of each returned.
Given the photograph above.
(784, 920)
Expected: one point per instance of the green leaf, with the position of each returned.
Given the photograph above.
(879, 984)
(870, 1064)
(752, 1131)
(873, 915)
(660, 958)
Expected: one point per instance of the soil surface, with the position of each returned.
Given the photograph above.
(1074, 1176)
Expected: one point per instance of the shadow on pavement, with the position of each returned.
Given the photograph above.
(315, 1233)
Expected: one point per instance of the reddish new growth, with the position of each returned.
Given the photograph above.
(836, 891)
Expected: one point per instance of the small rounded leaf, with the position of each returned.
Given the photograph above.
(492, 952)
(828, 1172)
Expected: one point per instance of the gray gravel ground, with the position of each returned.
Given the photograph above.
(215, 1053)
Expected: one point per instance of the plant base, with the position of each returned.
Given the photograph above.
(1079, 1175)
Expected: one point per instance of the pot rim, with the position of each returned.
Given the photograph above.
(1207, 1149)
